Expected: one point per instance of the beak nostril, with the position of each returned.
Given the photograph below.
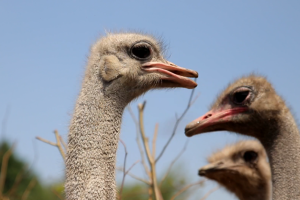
(220, 163)
(207, 116)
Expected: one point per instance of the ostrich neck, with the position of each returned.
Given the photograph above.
(283, 147)
(250, 193)
(262, 193)
(246, 189)
(93, 142)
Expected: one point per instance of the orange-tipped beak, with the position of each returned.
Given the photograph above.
(173, 73)
(211, 121)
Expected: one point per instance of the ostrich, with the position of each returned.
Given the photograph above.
(120, 67)
(250, 106)
(242, 169)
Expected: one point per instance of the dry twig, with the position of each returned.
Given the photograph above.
(195, 99)
(124, 168)
(138, 142)
(125, 172)
(172, 163)
(176, 124)
(150, 158)
(46, 141)
(209, 192)
(58, 143)
(185, 188)
(134, 176)
(63, 143)
(154, 141)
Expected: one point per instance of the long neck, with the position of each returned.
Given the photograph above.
(92, 146)
(283, 148)
(262, 192)
(248, 189)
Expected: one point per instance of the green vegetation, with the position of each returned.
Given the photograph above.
(20, 182)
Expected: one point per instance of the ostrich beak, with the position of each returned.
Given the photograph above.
(174, 73)
(203, 171)
(212, 121)
(217, 167)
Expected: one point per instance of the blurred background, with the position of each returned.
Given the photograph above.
(44, 48)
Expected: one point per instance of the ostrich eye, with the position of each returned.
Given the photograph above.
(141, 51)
(239, 97)
(250, 156)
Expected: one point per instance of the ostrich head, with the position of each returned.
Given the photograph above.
(241, 168)
(129, 63)
(248, 106)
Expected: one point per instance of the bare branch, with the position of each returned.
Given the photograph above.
(132, 115)
(144, 138)
(63, 142)
(139, 142)
(58, 143)
(172, 163)
(195, 99)
(151, 159)
(132, 166)
(28, 189)
(124, 168)
(154, 141)
(185, 188)
(46, 141)
(209, 192)
(150, 193)
(134, 176)
(4, 168)
(176, 125)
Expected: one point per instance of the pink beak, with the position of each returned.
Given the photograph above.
(173, 73)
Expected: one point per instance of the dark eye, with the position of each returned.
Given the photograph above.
(250, 156)
(239, 97)
(141, 51)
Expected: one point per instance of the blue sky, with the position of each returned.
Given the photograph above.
(44, 48)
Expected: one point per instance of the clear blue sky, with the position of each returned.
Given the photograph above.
(44, 48)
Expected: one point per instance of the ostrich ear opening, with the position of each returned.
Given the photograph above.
(109, 68)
